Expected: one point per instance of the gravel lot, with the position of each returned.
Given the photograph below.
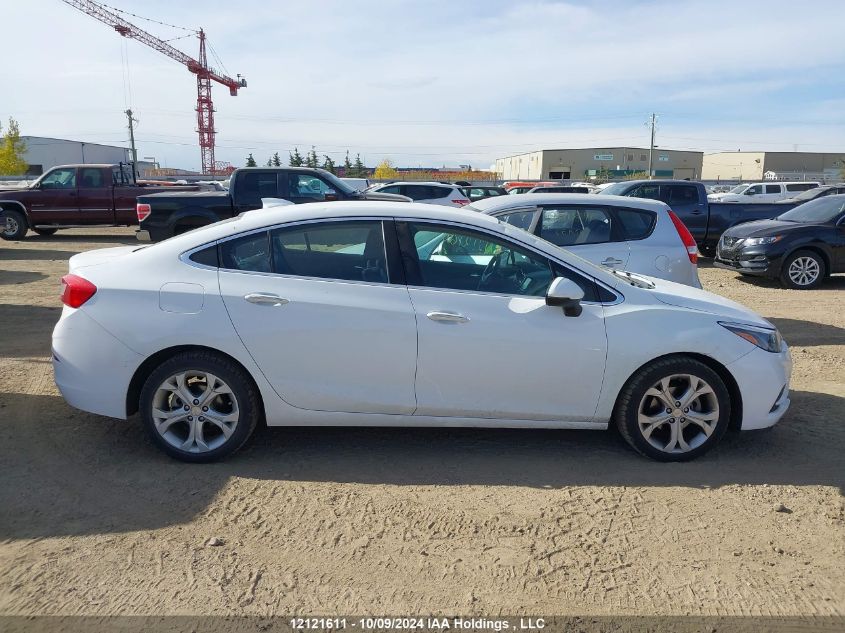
(95, 520)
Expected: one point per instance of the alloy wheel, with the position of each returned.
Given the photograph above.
(678, 413)
(804, 271)
(195, 411)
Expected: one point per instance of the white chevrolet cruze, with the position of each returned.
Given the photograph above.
(385, 314)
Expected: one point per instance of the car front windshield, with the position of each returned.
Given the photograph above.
(816, 211)
(739, 188)
(808, 195)
(615, 189)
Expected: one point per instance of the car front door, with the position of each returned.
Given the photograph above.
(55, 199)
(95, 196)
(310, 188)
(489, 346)
(589, 231)
(326, 320)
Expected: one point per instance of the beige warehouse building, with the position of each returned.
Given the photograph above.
(610, 162)
(773, 165)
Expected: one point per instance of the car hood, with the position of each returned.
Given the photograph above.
(682, 296)
(762, 228)
(100, 256)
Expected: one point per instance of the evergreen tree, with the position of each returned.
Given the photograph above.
(328, 164)
(12, 149)
(269, 162)
(347, 166)
(311, 160)
(277, 162)
(296, 159)
(250, 161)
(359, 168)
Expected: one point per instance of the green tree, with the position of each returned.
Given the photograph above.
(359, 167)
(311, 160)
(269, 162)
(250, 161)
(277, 162)
(328, 164)
(347, 165)
(296, 159)
(12, 149)
(385, 170)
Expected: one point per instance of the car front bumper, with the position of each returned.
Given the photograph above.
(750, 261)
(763, 381)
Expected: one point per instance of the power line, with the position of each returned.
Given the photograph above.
(141, 17)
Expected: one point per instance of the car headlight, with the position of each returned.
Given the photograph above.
(768, 339)
(759, 241)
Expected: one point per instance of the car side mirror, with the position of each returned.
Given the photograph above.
(331, 195)
(566, 294)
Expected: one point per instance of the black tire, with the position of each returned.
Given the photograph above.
(15, 227)
(45, 232)
(633, 394)
(243, 389)
(795, 259)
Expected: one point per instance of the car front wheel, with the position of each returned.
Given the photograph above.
(674, 409)
(803, 270)
(199, 407)
(13, 226)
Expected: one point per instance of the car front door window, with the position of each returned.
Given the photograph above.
(59, 179)
(462, 259)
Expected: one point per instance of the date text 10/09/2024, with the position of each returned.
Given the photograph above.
(417, 623)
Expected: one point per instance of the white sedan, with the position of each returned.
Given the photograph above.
(386, 314)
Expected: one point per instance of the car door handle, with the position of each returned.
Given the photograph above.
(447, 317)
(696, 212)
(265, 299)
(610, 261)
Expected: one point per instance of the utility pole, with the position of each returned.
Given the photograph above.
(132, 123)
(651, 149)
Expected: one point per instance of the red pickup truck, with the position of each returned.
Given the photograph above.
(75, 195)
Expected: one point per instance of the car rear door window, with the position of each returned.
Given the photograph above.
(347, 250)
(390, 189)
(772, 188)
(250, 253)
(254, 185)
(519, 219)
(680, 194)
(91, 178)
(634, 224)
(573, 225)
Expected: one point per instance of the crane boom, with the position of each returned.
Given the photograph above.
(205, 73)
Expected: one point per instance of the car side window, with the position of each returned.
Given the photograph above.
(59, 179)
(252, 186)
(772, 188)
(91, 178)
(571, 226)
(463, 259)
(755, 189)
(308, 186)
(348, 250)
(250, 253)
(416, 192)
(390, 189)
(650, 192)
(519, 219)
(634, 224)
(681, 194)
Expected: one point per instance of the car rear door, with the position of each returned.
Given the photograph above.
(589, 231)
(329, 324)
(96, 196)
(687, 203)
(489, 346)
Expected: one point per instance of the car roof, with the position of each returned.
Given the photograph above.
(418, 182)
(657, 181)
(502, 203)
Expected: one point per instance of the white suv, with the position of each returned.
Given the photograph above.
(763, 192)
(634, 234)
(427, 192)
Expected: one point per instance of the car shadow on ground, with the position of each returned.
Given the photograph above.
(800, 333)
(10, 254)
(26, 328)
(64, 472)
(11, 277)
(116, 239)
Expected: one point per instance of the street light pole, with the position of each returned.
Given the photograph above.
(651, 149)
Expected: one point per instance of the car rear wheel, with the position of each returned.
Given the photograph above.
(803, 270)
(199, 407)
(14, 227)
(674, 409)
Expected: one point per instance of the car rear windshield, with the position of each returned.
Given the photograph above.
(819, 210)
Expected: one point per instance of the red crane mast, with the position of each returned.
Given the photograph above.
(205, 73)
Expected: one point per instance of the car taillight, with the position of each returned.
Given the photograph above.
(686, 237)
(143, 211)
(460, 201)
(76, 290)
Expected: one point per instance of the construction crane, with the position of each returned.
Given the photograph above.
(205, 73)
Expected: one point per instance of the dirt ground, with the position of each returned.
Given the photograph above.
(95, 520)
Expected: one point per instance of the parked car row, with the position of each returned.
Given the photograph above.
(404, 314)
(760, 192)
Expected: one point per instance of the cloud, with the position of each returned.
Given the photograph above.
(438, 82)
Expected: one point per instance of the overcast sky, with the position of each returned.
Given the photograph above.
(437, 82)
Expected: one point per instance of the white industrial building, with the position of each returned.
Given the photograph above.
(42, 153)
